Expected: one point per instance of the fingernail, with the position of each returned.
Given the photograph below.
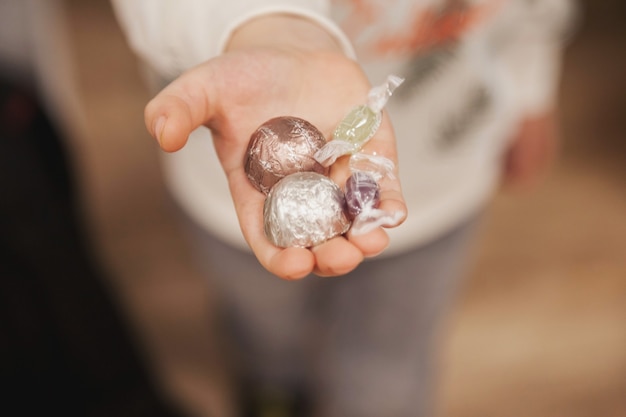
(158, 129)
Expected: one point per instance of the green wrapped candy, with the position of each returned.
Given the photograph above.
(359, 125)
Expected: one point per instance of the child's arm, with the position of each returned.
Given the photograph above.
(532, 151)
(276, 64)
(537, 34)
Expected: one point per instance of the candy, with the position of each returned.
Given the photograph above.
(279, 147)
(359, 125)
(362, 193)
(303, 210)
(377, 166)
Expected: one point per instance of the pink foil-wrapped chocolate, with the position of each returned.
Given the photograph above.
(282, 146)
(303, 210)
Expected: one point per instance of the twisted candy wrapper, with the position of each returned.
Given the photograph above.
(361, 123)
(362, 193)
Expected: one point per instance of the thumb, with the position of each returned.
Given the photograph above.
(180, 108)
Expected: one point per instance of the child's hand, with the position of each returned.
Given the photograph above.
(532, 152)
(275, 66)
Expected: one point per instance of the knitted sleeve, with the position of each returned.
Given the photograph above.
(174, 35)
(535, 34)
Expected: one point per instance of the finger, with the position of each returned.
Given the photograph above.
(370, 244)
(392, 201)
(384, 144)
(286, 263)
(291, 263)
(181, 107)
(336, 257)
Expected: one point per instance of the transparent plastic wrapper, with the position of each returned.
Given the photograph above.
(362, 193)
(359, 125)
(303, 210)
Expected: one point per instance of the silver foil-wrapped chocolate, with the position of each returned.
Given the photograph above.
(303, 210)
(282, 146)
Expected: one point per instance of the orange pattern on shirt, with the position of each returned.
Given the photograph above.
(428, 27)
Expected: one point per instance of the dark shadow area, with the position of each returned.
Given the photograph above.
(65, 349)
(594, 86)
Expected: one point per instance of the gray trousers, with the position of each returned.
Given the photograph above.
(365, 342)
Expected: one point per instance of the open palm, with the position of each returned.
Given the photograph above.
(236, 92)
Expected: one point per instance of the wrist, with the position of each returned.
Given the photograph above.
(284, 31)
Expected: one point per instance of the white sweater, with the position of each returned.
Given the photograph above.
(473, 71)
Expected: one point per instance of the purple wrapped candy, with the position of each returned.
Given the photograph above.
(362, 193)
(282, 146)
(303, 210)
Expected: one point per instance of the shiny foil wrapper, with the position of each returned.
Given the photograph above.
(282, 146)
(303, 210)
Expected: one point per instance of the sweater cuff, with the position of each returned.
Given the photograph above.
(538, 83)
(325, 23)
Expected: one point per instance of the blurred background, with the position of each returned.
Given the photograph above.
(540, 325)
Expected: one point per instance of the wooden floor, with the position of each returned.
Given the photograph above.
(540, 326)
